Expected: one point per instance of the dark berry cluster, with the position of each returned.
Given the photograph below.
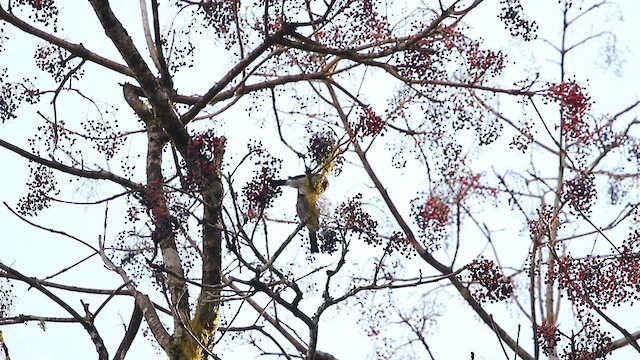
(38, 4)
(44, 11)
(353, 218)
(42, 184)
(104, 135)
(594, 345)
(329, 240)
(488, 284)
(220, 14)
(484, 62)
(399, 242)
(180, 51)
(259, 193)
(133, 214)
(57, 62)
(8, 103)
(590, 343)
(13, 95)
(431, 214)
(516, 21)
(600, 281)
(323, 152)
(465, 113)
(358, 24)
(452, 158)
(6, 297)
(580, 193)
(523, 139)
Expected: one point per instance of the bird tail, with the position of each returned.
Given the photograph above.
(313, 238)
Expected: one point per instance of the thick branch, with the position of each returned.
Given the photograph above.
(144, 303)
(152, 89)
(167, 80)
(207, 316)
(21, 319)
(163, 234)
(130, 334)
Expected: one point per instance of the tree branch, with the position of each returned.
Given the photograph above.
(152, 89)
(89, 174)
(130, 334)
(85, 321)
(426, 256)
(76, 49)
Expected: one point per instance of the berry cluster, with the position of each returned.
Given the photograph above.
(634, 153)
(38, 4)
(259, 193)
(204, 158)
(359, 24)
(429, 57)
(523, 139)
(593, 344)
(516, 21)
(580, 193)
(156, 200)
(219, 14)
(41, 186)
(482, 62)
(548, 337)
(329, 240)
(353, 218)
(600, 281)
(323, 152)
(432, 214)
(574, 104)
(134, 212)
(590, 343)
(493, 285)
(12, 95)
(539, 227)
(57, 62)
(370, 124)
(399, 242)
(44, 11)
(6, 297)
(104, 135)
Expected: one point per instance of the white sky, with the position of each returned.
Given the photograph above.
(23, 247)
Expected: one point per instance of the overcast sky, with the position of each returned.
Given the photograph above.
(22, 246)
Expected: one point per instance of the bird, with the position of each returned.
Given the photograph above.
(309, 187)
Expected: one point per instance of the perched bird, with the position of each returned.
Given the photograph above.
(309, 187)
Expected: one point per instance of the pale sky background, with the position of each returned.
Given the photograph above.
(23, 246)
